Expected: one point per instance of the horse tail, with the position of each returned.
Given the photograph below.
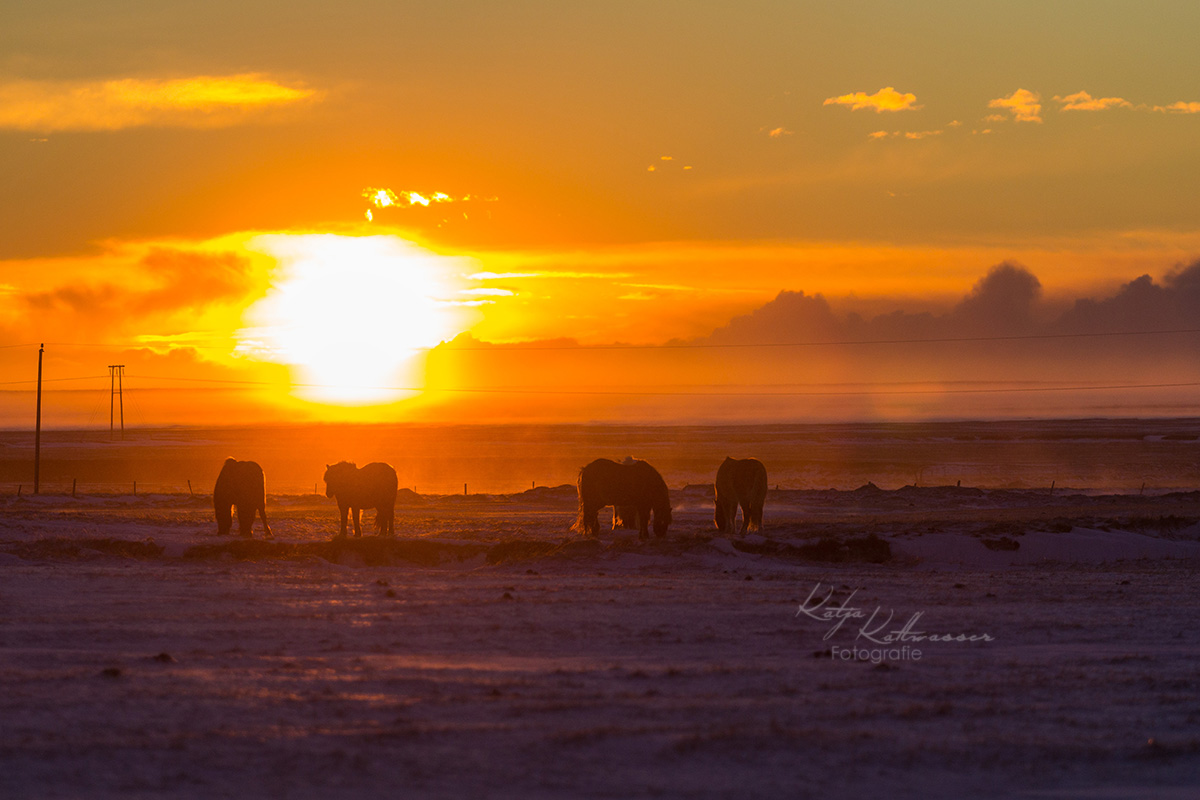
(385, 519)
(758, 496)
(580, 525)
(661, 505)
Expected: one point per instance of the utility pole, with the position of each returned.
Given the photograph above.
(37, 428)
(115, 373)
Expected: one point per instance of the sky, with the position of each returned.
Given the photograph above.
(383, 211)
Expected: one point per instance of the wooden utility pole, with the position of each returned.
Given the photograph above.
(37, 426)
(115, 373)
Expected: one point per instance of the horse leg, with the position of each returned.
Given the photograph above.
(643, 518)
(262, 512)
(357, 520)
(728, 518)
(345, 511)
(591, 522)
(747, 516)
(224, 520)
(245, 520)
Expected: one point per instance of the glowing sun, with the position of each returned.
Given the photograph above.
(349, 314)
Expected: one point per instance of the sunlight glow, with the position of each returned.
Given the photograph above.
(350, 313)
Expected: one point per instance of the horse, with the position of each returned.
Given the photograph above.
(636, 486)
(373, 486)
(240, 484)
(740, 482)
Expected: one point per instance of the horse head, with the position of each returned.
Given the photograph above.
(335, 476)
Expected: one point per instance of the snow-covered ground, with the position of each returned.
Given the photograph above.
(490, 652)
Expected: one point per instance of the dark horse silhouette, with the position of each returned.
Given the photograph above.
(373, 486)
(740, 482)
(240, 484)
(636, 486)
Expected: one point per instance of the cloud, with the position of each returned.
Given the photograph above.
(569, 275)
(1082, 101)
(667, 162)
(181, 281)
(1001, 301)
(1140, 304)
(1006, 302)
(488, 292)
(385, 198)
(198, 102)
(1180, 107)
(790, 317)
(904, 134)
(492, 276)
(1024, 105)
(886, 99)
(1003, 350)
(778, 133)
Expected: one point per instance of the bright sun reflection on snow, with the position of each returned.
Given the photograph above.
(349, 313)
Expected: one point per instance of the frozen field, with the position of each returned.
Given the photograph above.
(489, 652)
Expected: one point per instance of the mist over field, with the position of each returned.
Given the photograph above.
(1108, 455)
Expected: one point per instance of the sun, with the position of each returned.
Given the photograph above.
(349, 313)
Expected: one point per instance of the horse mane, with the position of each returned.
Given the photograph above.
(339, 469)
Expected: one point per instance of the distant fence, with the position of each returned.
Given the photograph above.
(82, 488)
(119, 488)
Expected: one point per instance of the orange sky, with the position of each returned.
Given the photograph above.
(289, 221)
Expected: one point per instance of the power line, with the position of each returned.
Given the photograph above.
(521, 348)
(641, 393)
(55, 380)
(817, 343)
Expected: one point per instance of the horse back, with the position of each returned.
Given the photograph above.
(604, 483)
(371, 486)
(240, 483)
(741, 479)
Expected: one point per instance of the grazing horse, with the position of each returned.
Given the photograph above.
(636, 486)
(240, 484)
(373, 486)
(740, 482)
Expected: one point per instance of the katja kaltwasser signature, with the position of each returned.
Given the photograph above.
(873, 627)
